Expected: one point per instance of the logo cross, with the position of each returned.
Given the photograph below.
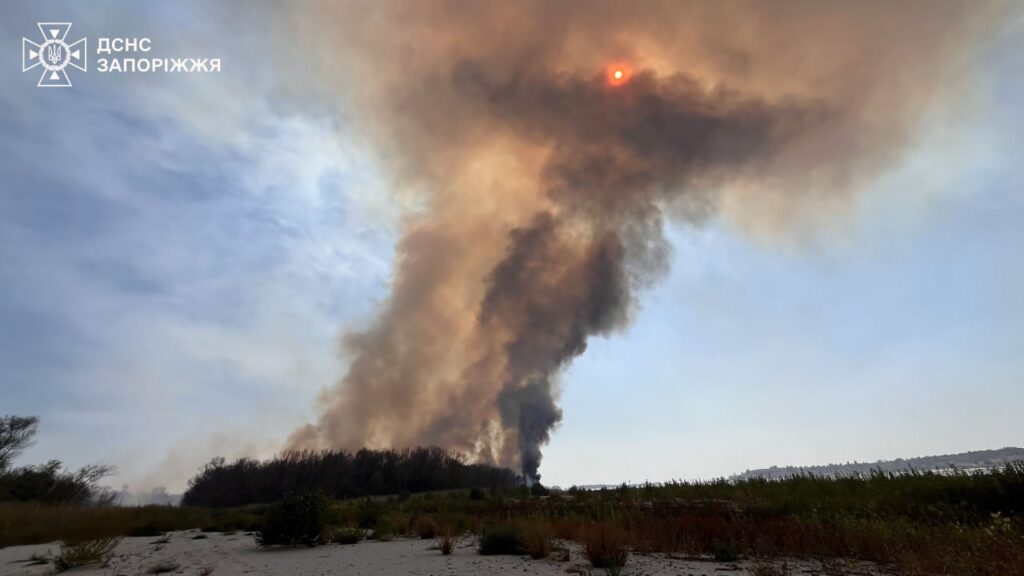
(54, 54)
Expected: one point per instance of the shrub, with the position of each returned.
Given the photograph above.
(147, 529)
(368, 513)
(85, 553)
(566, 528)
(298, 519)
(476, 494)
(426, 528)
(384, 530)
(501, 539)
(228, 520)
(401, 523)
(537, 538)
(605, 545)
(724, 552)
(346, 536)
(446, 541)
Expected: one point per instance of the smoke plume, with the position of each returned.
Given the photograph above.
(538, 187)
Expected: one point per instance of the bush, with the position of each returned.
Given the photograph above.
(346, 536)
(368, 513)
(147, 529)
(446, 541)
(51, 483)
(426, 528)
(537, 538)
(566, 528)
(384, 530)
(85, 553)
(501, 539)
(724, 552)
(298, 519)
(605, 545)
(228, 520)
(476, 494)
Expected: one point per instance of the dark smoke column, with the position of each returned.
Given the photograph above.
(618, 154)
(542, 183)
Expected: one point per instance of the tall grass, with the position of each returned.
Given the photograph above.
(537, 538)
(606, 545)
(31, 523)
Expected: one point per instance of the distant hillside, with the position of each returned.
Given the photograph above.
(977, 460)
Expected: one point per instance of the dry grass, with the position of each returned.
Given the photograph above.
(606, 545)
(909, 547)
(345, 536)
(85, 553)
(537, 538)
(425, 527)
(446, 541)
(33, 523)
(566, 528)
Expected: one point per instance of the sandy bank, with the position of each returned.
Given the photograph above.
(236, 554)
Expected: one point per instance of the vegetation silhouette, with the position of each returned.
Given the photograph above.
(47, 483)
(339, 474)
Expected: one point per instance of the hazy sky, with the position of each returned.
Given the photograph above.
(179, 253)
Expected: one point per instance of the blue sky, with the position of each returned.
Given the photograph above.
(179, 253)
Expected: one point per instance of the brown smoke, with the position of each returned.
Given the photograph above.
(539, 191)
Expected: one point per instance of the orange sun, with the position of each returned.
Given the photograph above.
(618, 74)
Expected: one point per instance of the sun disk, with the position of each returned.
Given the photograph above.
(618, 74)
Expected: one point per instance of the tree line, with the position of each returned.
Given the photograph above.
(49, 482)
(339, 474)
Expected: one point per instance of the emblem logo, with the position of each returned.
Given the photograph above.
(54, 54)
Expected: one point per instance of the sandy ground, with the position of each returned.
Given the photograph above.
(235, 554)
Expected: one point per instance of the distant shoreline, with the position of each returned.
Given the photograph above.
(964, 461)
